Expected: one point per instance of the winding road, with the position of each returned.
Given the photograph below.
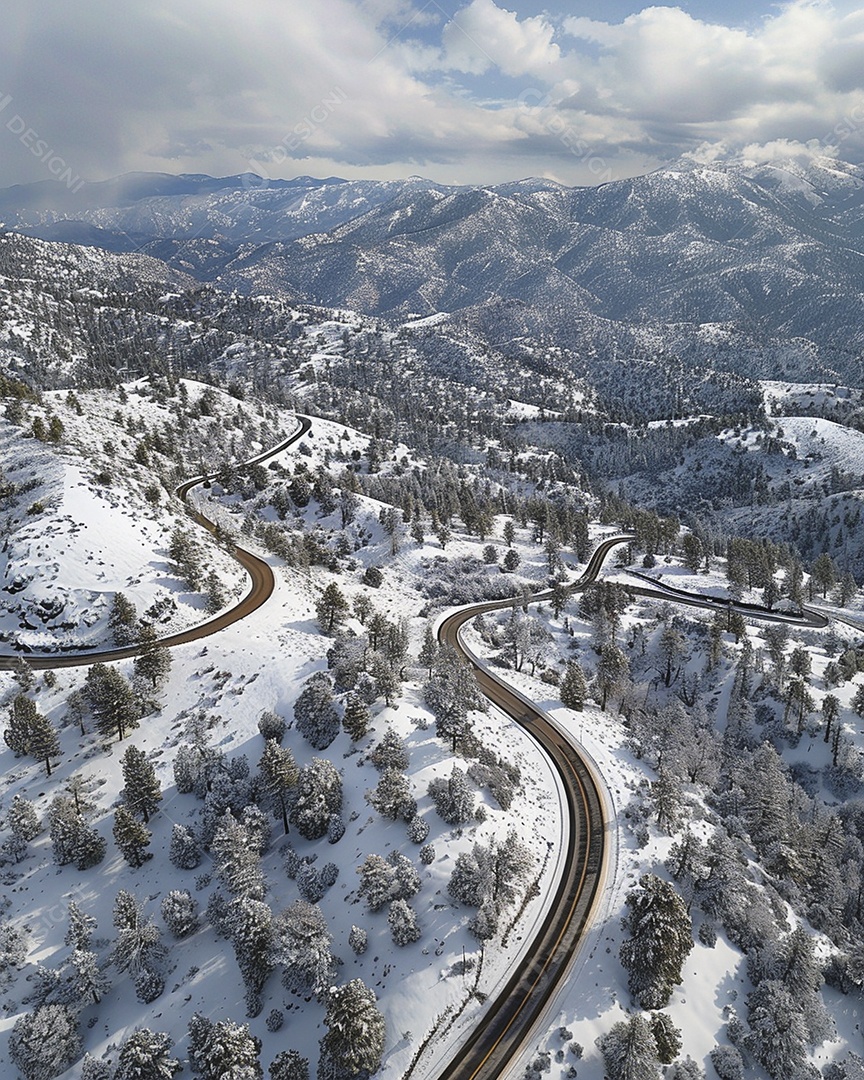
(510, 1019)
(261, 574)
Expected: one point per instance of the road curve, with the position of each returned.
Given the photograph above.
(506, 1025)
(262, 584)
(509, 1019)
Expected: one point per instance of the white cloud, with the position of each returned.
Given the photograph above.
(482, 36)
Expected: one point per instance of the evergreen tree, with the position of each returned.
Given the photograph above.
(778, 1034)
(356, 718)
(88, 981)
(392, 797)
(453, 797)
(45, 1043)
(289, 1065)
(402, 920)
(80, 929)
(179, 910)
(277, 779)
(301, 945)
(319, 797)
(222, 1049)
(146, 1055)
(153, 662)
(131, 837)
(22, 819)
(612, 670)
(122, 619)
(667, 1037)
(249, 925)
(142, 792)
(430, 649)
(271, 725)
(43, 742)
(355, 1038)
(237, 858)
(22, 719)
(573, 687)
(332, 608)
(111, 701)
(315, 715)
(184, 852)
(661, 937)
(451, 694)
(630, 1051)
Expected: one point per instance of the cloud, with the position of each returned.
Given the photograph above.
(391, 87)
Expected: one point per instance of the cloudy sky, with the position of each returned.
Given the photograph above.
(460, 91)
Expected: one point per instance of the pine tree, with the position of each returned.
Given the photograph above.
(142, 792)
(277, 779)
(271, 725)
(289, 1065)
(319, 797)
(667, 1037)
(22, 819)
(331, 608)
(111, 701)
(301, 945)
(185, 853)
(392, 796)
(131, 837)
(249, 926)
(402, 920)
(661, 937)
(179, 910)
(573, 687)
(778, 1034)
(390, 752)
(122, 619)
(355, 719)
(237, 858)
(222, 1049)
(630, 1051)
(315, 715)
(451, 694)
(146, 1055)
(45, 1043)
(453, 797)
(88, 980)
(153, 662)
(80, 929)
(612, 670)
(22, 718)
(430, 649)
(356, 1029)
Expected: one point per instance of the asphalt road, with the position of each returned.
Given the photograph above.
(260, 573)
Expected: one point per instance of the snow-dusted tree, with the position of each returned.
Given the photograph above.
(122, 619)
(111, 701)
(319, 796)
(221, 1049)
(392, 796)
(331, 608)
(687, 864)
(139, 947)
(179, 910)
(667, 1037)
(146, 1055)
(402, 920)
(153, 662)
(666, 797)
(80, 929)
(792, 960)
(452, 693)
(453, 797)
(43, 743)
(390, 752)
(301, 945)
(72, 839)
(315, 715)
(630, 1051)
(86, 981)
(686, 1069)
(22, 715)
(185, 853)
(661, 937)
(418, 829)
(185, 553)
(95, 1068)
(236, 858)
(271, 725)
(277, 779)
(356, 718)
(778, 1034)
(44, 1043)
(573, 687)
(354, 1042)
(248, 924)
(612, 669)
(131, 837)
(289, 1065)
(727, 1062)
(142, 792)
(358, 940)
(429, 650)
(22, 819)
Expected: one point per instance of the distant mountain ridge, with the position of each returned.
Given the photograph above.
(767, 250)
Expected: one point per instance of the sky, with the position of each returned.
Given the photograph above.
(458, 91)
